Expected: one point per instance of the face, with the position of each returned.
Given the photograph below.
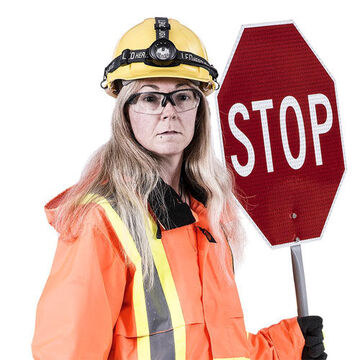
(149, 128)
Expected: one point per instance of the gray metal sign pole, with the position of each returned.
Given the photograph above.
(299, 279)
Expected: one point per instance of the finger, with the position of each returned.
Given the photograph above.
(313, 340)
(323, 356)
(316, 350)
(314, 322)
(309, 324)
(315, 332)
(313, 353)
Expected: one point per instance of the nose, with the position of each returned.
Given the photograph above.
(168, 111)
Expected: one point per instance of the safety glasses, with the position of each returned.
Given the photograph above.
(153, 102)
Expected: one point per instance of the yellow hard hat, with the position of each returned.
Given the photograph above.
(159, 47)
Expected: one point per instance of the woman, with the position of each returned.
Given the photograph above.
(144, 267)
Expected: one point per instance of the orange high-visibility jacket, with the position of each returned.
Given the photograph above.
(93, 307)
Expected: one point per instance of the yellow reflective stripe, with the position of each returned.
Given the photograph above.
(127, 242)
(247, 335)
(171, 295)
(119, 227)
(143, 347)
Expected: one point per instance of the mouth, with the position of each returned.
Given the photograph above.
(169, 132)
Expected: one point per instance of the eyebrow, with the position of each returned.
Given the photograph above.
(157, 88)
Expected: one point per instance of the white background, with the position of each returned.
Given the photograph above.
(54, 115)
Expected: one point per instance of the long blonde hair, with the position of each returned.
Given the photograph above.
(122, 169)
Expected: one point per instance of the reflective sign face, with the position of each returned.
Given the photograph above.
(280, 132)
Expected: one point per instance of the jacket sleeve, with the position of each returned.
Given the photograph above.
(282, 341)
(82, 297)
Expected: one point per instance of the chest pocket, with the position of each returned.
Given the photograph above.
(220, 287)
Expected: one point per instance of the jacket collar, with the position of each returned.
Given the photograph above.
(179, 213)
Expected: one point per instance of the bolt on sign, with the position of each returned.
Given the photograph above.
(280, 132)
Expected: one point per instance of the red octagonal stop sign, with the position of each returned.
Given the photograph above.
(280, 132)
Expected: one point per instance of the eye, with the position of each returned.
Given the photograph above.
(149, 98)
(182, 97)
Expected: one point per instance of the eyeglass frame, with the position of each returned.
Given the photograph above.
(167, 97)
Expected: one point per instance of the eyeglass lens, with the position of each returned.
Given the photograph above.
(153, 102)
